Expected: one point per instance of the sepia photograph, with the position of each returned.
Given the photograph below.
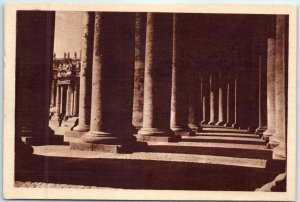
(155, 102)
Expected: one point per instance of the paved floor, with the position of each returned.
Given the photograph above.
(29, 184)
(210, 161)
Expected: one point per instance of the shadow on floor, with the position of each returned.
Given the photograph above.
(141, 174)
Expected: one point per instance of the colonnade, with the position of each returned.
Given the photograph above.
(143, 71)
(67, 99)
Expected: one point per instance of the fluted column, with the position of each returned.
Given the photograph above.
(87, 40)
(179, 97)
(213, 99)
(271, 117)
(157, 86)
(139, 70)
(229, 99)
(112, 85)
(278, 140)
(58, 99)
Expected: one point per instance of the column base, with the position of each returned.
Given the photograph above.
(259, 131)
(194, 129)
(227, 124)
(273, 142)
(41, 138)
(267, 134)
(157, 135)
(135, 129)
(74, 134)
(81, 128)
(204, 122)
(234, 125)
(211, 122)
(37, 141)
(183, 131)
(22, 150)
(109, 148)
(279, 153)
(220, 123)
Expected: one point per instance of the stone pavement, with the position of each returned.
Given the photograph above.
(209, 161)
(29, 184)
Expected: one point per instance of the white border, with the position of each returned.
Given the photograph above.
(10, 192)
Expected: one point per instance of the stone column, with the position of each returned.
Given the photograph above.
(270, 90)
(221, 100)
(62, 108)
(205, 98)
(75, 107)
(236, 108)
(72, 102)
(229, 100)
(262, 99)
(259, 55)
(87, 40)
(213, 99)
(34, 53)
(278, 140)
(58, 100)
(158, 73)
(194, 96)
(68, 102)
(139, 70)
(52, 104)
(112, 85)
(243, 65)
(179, 97)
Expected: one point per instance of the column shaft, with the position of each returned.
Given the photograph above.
(157, 86)
(278, 140)
(205, 99)
(34, 53)
(52, 104)
(236, 108)
(86, 72)
(68, 102)
(229, 99)
(139, 70)
(271, 90)
(112, 84)
(62, 102)
(213, 99)
(221, 100)
(179, 97)
(58, 100)
(75, 107)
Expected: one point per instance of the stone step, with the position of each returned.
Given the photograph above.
(212, 148)
(223, 139)
(223, 129)
(228, 134)
(51, 140)
(64, 151)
